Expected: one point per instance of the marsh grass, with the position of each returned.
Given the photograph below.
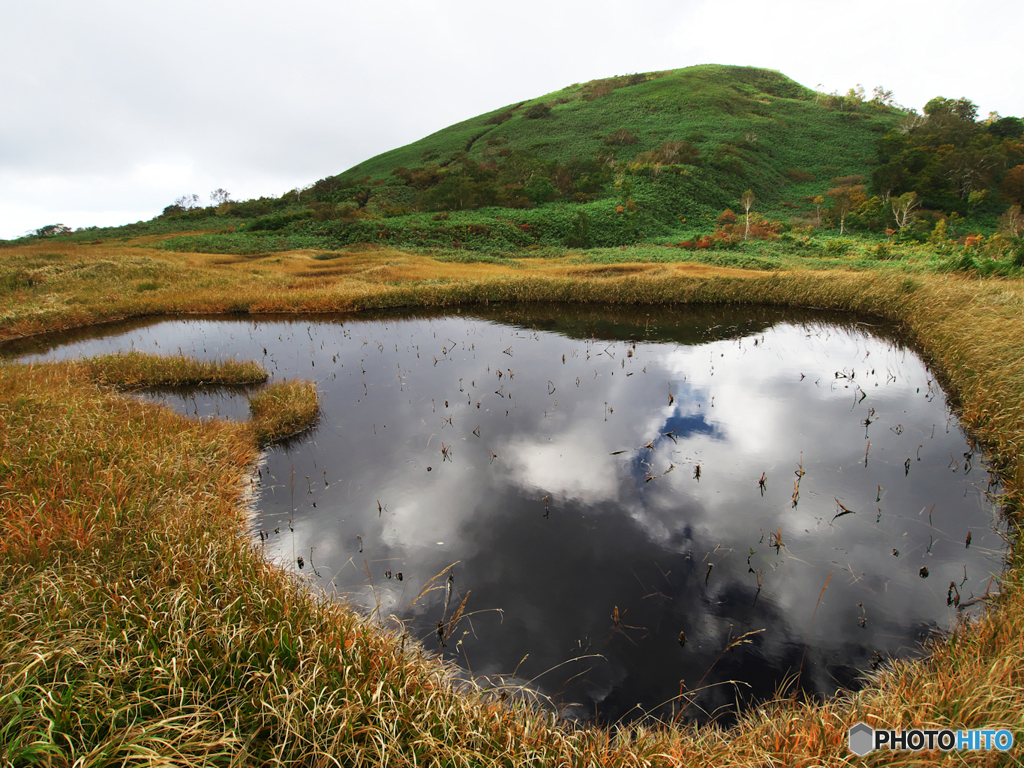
(56, 285)
(138, 626)
(141, 370)
(283, 409)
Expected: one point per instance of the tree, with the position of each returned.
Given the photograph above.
(1012, 222)
(219, 196)
(903, 208)
(1012, 188)
(299, 190)
(187, 202)
(1007, 128)
(748, 201)
(881, 96)
(844, 199)
(939, 235)
(51, 229)
(969, 168)
(818, 202)
(976, 198)
(962, 108)
(856, 95)
(946, 157)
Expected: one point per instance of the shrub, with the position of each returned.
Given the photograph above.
(620, 138)
(579, 233)
(799, 176)
(499, 118)
(537, 111)
(324, 211)
(669, 153)
(274, 223)
(595, 89)
(762, 229)
(838, 246)
(1017, 252)
(848, 181)
(883, 251)
(250, 208)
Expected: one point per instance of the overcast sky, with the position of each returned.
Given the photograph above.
(111, 109)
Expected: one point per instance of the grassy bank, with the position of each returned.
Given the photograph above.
(137, 623)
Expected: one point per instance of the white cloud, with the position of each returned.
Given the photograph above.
(565, 467)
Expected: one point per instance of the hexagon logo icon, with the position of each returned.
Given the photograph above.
(862, 739)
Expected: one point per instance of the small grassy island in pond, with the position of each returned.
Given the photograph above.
(139, 623)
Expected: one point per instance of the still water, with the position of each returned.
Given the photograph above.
(631, 513)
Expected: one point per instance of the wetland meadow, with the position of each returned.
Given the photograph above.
(526, 513)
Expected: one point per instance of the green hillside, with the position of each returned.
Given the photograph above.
(768, 122)
(651, 157)
(671, 148)
(702, 158)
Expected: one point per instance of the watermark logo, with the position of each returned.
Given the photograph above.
(865, 739)
(862, 739)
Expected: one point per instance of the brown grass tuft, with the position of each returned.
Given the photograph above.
(283, 409)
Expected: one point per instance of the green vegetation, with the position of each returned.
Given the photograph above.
(606, 163)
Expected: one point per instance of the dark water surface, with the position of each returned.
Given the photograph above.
(586, 484)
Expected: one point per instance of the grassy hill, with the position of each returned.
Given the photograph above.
(650, 157)
(759, 116)
(682, 144)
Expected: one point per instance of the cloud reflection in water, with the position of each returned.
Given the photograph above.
(570, 493)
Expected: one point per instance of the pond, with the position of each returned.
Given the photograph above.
(656, 511)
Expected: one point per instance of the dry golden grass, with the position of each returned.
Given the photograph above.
(138, 370)
(137, 623)
(52, 286)
(283, 409)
